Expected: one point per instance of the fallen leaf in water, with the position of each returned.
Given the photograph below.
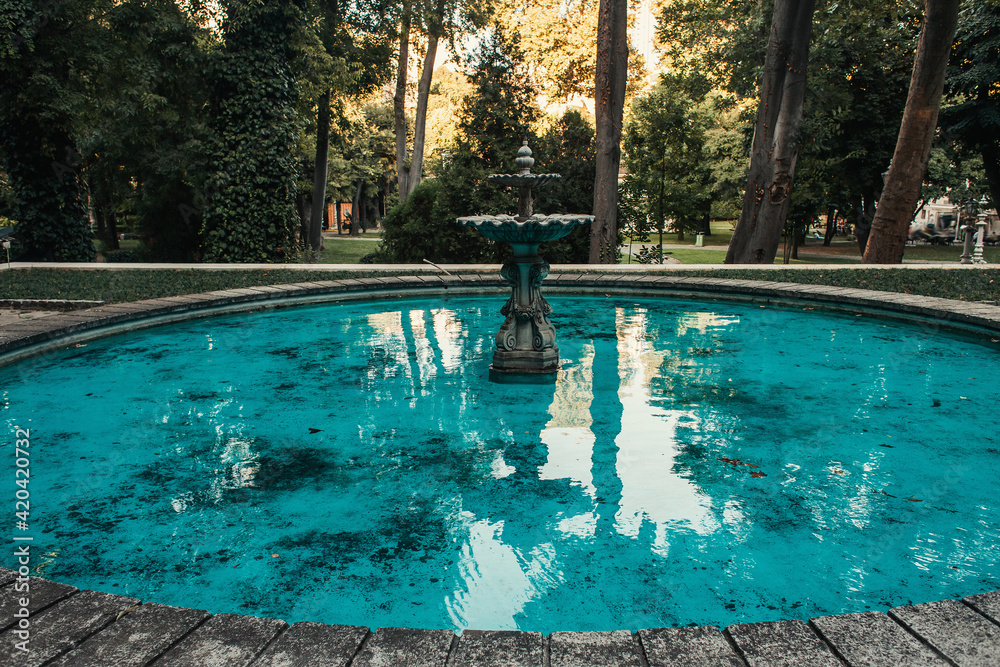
(953, 567)
(274, 555)
(736, 462)
(837, 471)
(315, 430)
(914, 500)
(756, 475)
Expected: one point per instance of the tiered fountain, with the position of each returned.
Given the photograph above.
(526, 343)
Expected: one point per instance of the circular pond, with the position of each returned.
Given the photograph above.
(695, 462)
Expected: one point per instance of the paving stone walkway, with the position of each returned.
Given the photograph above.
(71, 627)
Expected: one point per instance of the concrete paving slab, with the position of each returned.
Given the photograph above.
(704, 646)
(499, 648)
(987, 604)
(63, 626)
(781, 644)
(872, 638)
(225, 640)
(40, 593)
(135, 639)
(389, 647)
(956, 630)
(313, 645)
(616, 648)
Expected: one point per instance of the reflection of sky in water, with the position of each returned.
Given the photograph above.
(698, 463)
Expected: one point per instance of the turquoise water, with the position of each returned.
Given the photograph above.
(704, 463)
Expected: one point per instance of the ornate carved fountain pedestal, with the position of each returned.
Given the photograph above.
(526, 343)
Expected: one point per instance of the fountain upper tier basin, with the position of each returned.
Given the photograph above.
(534, 230)
(523, 180)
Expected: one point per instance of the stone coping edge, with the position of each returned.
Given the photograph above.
(69, 626)
(49, 304)
(30, 337)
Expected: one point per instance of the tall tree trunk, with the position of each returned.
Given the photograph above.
(356, 207)
(336, 214)
(775, 139)
(609, 103)
(913, 146)
(991, 165)
(112, 229)
(399, 103)
(420, 121)
(863, 220)
(320, 173)
(831, 225)
(304, 217)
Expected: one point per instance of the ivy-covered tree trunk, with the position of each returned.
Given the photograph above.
(52, 223)
(252, 217)
(916, 133)
(36, 149)
(609, 103)
(775, 139)
(399, 103)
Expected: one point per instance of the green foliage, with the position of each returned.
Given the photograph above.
(972, 110)
(37, 64)
(423, 227)
(973, 74)
(251, 216)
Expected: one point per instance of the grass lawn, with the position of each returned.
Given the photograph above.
(347, 249)
(722, 232)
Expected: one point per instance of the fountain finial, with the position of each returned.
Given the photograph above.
(524, 160)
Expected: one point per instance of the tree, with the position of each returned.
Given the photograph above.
(665, 152)
(399, 99)
(355, 38)
(494, 120)
(776, 133)
(38, 59)
(442, 19)
(143, 127)
(251, 217)
(974, 113)
(858, 76)
(916, 134)
(611, 71)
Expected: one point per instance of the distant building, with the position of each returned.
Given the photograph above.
(940, 216)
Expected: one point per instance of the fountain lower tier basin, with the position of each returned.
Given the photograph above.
(694, 462)
(534, 230)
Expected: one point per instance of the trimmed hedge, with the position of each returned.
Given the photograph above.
(115, 286)
(966, 285)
